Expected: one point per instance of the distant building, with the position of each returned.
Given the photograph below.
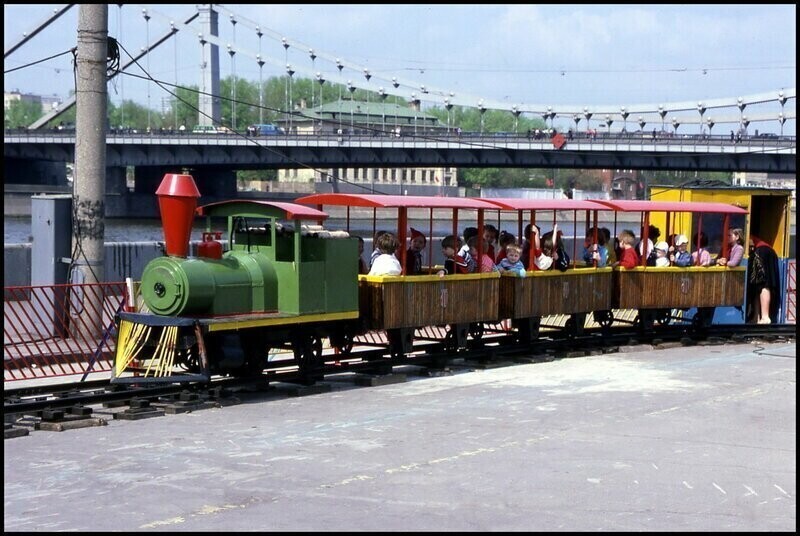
(375, 119)
(48, 103)
(766, 180)
(624, 187)
(620, 183)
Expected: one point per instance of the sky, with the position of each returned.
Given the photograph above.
(566, 56)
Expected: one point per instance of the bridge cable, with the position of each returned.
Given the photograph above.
(163, 85)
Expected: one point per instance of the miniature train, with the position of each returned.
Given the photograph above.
(288, 284)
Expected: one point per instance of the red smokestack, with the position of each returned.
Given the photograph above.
(177, 199)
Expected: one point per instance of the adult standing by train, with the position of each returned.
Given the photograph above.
(763, 282)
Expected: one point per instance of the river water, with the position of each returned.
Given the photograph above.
(18, 229)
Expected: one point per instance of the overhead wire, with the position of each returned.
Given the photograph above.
(72, 50)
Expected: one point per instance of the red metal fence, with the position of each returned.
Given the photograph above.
(59, 330)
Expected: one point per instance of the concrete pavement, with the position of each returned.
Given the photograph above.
(698, 438)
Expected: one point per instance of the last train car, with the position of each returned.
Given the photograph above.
(769, 219)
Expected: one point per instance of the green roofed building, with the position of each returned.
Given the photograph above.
(364, 119)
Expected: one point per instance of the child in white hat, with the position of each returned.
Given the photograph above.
(679, 256)
(662, 249)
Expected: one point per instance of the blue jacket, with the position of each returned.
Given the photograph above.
(683, 259)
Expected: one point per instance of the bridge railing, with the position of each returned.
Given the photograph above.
(408, 133)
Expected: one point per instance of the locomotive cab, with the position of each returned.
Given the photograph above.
(315, 268)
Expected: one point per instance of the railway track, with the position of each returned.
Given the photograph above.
(71, 402)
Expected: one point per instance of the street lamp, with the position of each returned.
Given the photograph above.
(396, 85)
(175, 49)
(290, 72)
(313, 57)
(286, 45)
(588, 115)
(742, 105)
(367, 75)
(232, 53)
(624, 113)
(482, 110)
(383, 96)
(415, 105)
(701, 109)
(782, 99)
(351, 88)
(448, 107)
(260, 62)
(609, 121)
(260, 88)
(340, 67)
(663, 113)
(516, 117)
(642, 123)
(710, 122)
(147, 25)
(675, 124)
(321, 81)
(203, 97)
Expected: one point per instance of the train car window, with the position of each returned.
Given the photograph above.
(240, 234)
(713, 229)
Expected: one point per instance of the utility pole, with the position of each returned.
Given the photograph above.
(89, 184)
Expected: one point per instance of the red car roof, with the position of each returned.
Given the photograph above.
(513, 203)
(390, 201)
(631, 205)
(274, 209)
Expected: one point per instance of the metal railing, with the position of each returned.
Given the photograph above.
(59, 330)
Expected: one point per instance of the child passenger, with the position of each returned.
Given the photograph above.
(736, 242)
(595, 251)
(386, 263)
(376, 250)
(504, 240)
(511, 262)
(414, 253)
(454, 263)
(701, 257)
(678, 255)
(490, 233)
(486, 264)
(662, 250)
(362, 265)
(543, 249)
(628, 257)
(469, 232)
(612, 253)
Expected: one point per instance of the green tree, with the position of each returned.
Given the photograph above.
(21, 113)
(130, 114)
